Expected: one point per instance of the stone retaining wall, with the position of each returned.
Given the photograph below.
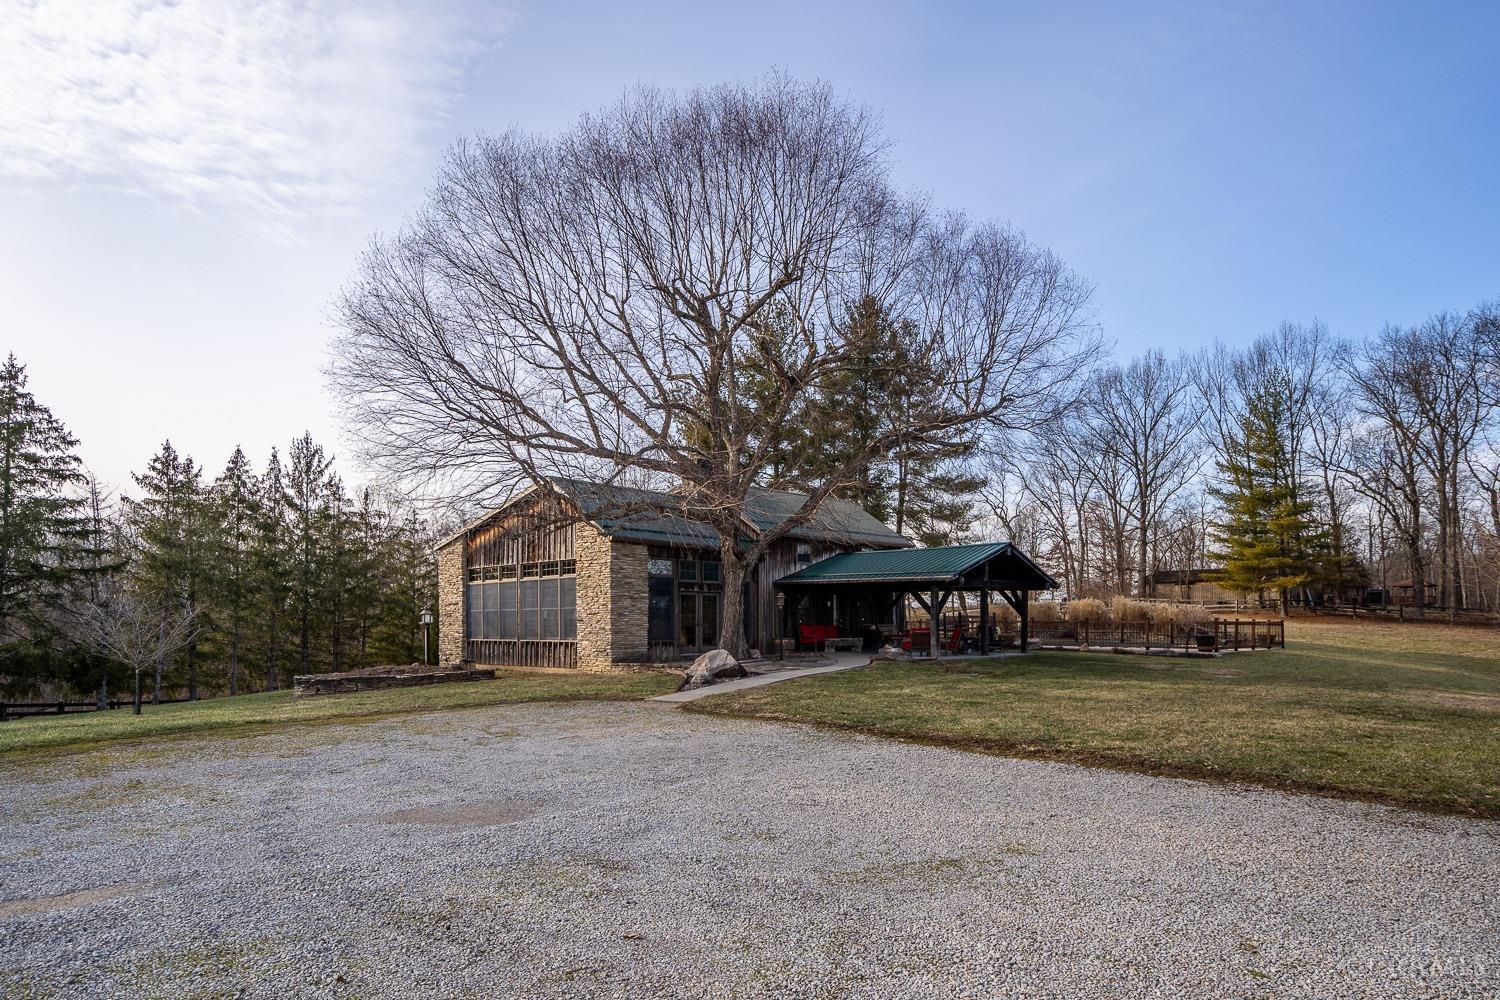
(309, 684)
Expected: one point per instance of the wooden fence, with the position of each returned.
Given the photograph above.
(10, 710)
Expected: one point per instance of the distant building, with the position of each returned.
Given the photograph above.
(1188, 585)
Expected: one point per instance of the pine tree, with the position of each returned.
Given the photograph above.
(236, 500)
(305, 494)
(269, 567)
(174, 526)
(921, 488)
(339, 568)
(1266, 537)
(408, 572)
(42, 509)
(369, 568)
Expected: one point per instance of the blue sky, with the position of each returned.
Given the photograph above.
(183, 187)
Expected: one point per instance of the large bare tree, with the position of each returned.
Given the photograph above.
(1431, 388)
(594, 305)
(1143, 420)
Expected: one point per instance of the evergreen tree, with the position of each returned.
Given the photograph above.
(269, 566)
(408, 572)
(342, 562)
(369, 568)
(236, 499)
(306, 507)
(1267, 539)
(174, 526)
(42, 510)
(921, 488)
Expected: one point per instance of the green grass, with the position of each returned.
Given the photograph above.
(47, 735)
(1406, 714)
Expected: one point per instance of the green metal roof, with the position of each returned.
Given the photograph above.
(652, 516)
(935, 565)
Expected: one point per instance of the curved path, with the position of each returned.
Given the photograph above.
(841, 661)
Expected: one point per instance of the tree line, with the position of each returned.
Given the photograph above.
(1301, 467)
(280, 571)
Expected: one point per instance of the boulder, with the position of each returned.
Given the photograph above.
(714, 665)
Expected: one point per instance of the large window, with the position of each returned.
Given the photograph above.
(530, 601)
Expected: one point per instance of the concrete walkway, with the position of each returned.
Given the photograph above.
(841, 661)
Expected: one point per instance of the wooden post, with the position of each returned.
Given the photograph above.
(933, 641)
(984, 621)
(1025, 619)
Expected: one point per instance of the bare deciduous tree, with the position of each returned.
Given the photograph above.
(1143, 421)
(595, 304)
(1427, 386)
(136, 632)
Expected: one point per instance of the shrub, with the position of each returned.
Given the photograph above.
(1045, 612)
(1128, 609)
(1086, 609)
(1190, 616)
(1161, 614)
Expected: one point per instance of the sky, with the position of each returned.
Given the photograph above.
(185, 184)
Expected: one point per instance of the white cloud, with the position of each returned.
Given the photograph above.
(275, 108)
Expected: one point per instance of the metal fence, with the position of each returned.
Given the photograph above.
(1220, 633)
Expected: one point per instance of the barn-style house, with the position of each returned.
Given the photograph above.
(580, 574)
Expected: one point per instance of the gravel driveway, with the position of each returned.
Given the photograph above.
(634, 850)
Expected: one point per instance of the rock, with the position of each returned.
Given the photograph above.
(891, 651)
(714, 665)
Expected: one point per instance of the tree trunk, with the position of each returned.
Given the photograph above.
(160, 666)
(102, 701)
(192, 665)
(234, 663)
(137, 709)
(732, 601)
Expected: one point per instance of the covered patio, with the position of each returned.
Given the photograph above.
(863, 597)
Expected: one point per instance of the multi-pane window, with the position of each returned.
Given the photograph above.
(529, 601)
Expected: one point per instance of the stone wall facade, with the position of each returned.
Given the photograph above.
(612, 600)
(450, 606)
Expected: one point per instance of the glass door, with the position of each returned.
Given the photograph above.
(699, 622)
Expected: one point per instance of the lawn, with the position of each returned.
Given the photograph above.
(45, 735)
(1406, 714)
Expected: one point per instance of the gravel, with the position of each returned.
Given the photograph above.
(607, 850)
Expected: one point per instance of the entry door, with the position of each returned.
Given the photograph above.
(700, 620)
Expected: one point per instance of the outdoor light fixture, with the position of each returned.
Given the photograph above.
(426, 635)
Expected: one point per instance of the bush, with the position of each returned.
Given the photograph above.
(1086, 609)
(1190, 616)
(1005, 615)
(1161, 614)
(1128, 609)
(1045, 612)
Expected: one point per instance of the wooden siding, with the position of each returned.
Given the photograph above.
(538, 529)
(523, 652)
(780, 560)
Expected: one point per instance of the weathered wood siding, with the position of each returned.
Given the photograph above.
(538, 529)
(780, 560)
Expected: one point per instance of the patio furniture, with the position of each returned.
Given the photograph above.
(815, 636)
